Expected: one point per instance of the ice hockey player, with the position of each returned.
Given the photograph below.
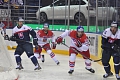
(44, 37)
(2, 30)
(21, 34)
(111, 38)
(79, 43)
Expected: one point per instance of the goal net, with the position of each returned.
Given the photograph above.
(7, 69)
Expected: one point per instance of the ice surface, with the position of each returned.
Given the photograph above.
(51, 71)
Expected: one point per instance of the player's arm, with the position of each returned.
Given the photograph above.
(53, 38)
(33, 34)
(105, 37)
(64, 34)
(14, 36)
(53, 46)
(84, 43)
(116, 45)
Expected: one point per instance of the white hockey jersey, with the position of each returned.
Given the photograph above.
(108, 34)
(73, 35)
(45, 38)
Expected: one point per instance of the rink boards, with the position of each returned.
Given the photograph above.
(95, 45)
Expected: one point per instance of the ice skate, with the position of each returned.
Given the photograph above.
(71, 71)
(58, 63)
(43, 58)
(37, 67)
(19, 66)
(107, 75)
(118, 77)
(91, 70)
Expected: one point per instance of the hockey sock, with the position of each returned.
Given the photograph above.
(107, 68)
(88, 63)
(72, 61)
(71, 64)
(52, 55)
(116, 69)
(18, 59)
(34, 60)
(116, 64)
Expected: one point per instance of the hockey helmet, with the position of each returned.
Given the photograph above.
(80, 28)
(46, 25)
(20, 19)
(114, 24)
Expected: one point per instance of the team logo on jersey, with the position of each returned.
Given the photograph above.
(44, 39)
(111, 40)
(21, 36)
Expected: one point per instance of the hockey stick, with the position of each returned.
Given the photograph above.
(83, 54)
(8, 38)
(22, 40)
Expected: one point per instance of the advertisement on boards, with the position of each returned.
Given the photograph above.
(93, 38)
(4, 13)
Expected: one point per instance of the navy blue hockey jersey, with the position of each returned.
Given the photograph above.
(23, 33)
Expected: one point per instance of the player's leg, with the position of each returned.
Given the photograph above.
(37, 54)
(72, 58)
(87, 61)
(47, 48)
(18, 53)
(106, 55)
(28, 48)
(116, 60)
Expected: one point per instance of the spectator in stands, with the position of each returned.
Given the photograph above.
(17, 3)
(1, 2)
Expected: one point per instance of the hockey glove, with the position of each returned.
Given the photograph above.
(38, 49)
(35, 41)
(115, 47)
(53, 45)
(77, 43)
(6, 37)
(59, 40)
(12, 38)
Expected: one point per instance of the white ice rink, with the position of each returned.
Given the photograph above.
(51, 71)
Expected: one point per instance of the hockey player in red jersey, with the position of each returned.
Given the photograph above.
(80, 43)
(44, 37)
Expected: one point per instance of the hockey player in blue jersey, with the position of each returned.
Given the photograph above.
(111, 47)
(20, 34)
